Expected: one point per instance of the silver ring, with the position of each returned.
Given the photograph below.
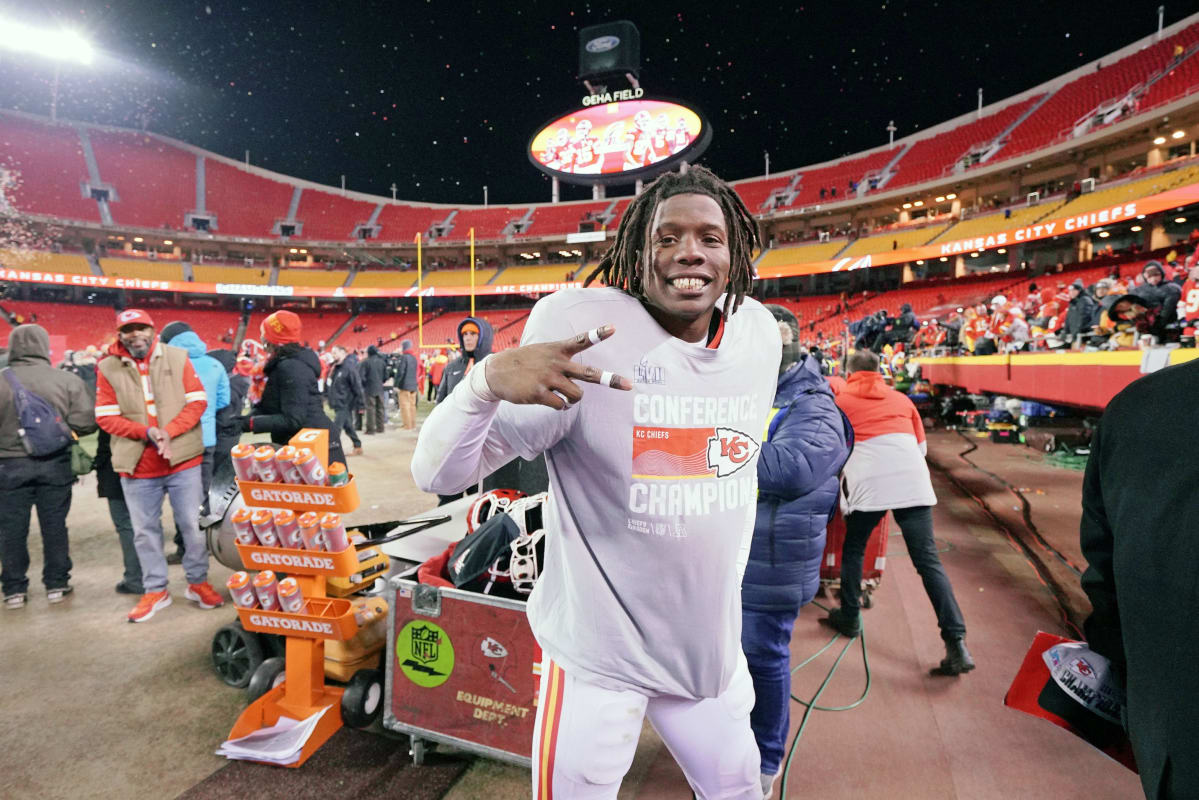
(593, 336)
(606, 378)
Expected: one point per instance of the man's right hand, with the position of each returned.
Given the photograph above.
(544, 374)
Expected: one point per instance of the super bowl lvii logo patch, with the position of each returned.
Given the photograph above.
(425, 653)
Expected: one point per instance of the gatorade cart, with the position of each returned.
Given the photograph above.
(462, 668)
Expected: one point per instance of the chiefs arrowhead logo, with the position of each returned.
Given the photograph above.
(729, 450)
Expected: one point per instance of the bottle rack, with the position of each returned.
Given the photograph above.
(303, 691)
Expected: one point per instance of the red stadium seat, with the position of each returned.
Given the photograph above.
(49, 166)
(155, 182)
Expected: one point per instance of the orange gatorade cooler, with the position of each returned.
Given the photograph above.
(266, 586)
(310, 468)
(285, 460)
(241, 591)
(338, 475)
(290, 598)
(264, 528)
(334, 533)
(265, 466)
(288, 530)
(243, 462)
(310, 531)
(242, 526)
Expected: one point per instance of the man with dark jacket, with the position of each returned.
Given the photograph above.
(1159, 292)
(228, 419)
(1082, 314)
(905, 325)
(44, 481)
(108, 486)
(406, 381)
(804, 450)
(1138, 537)
(344, 391)
(374, 373)
(291, 398)
(474, 339)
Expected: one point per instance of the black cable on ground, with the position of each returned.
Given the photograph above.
(1017, 543)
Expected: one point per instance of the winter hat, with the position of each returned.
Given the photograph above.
(282, 327)
(133, 316)
(171, 330)
(791, 352)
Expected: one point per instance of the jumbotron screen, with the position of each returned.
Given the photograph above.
(619, 142)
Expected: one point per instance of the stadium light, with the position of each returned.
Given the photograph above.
(951, 196)
(940, 198)
(1178, 134)
(918, 203)
(907, 205)
(1136, 229)
(1180, 220)
(60, 45)
(1001, 250)
(1159, 140)
(1104, 234)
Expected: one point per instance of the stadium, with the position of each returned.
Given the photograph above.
(928, 250)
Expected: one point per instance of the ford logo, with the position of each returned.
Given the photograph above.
(602, 44)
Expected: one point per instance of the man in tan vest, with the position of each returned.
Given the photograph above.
(150, 399)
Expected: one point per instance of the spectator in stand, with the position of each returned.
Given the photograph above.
(436, 373)
(374, 373)
(1159, 292)
(108, 486)
(216, 387)
(43, 481)
(904, 326)
(149, 398)
(474, 337)
(886, 472)
(1017, 334)
(1132, 314)
(407, 381)
(1081, 314)
(228, 419)
(291, 398)
(1032, 301)
(1188, 305)
(344, 390)
(803, 451)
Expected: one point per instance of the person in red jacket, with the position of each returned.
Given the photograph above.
(886, 472)
(150, 400)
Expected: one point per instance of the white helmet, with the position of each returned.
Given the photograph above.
(998, 300)
(528, 548)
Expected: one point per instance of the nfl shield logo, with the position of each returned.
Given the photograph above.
(425, 643)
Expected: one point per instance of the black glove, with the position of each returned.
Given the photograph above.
(246, 422)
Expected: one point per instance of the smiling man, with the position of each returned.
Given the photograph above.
(653, 486)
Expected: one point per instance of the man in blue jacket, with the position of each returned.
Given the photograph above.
(216, 385)
(807, 442)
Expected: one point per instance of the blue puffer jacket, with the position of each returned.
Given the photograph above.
(212, 375)
(806, 446)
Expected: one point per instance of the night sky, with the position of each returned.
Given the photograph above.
(441, 97)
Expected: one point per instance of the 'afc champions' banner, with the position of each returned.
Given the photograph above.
(1108, 215)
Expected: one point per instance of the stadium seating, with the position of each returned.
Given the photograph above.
(155, 182)
(801, 254)
(67, 263)
(379, 325)
(452, 277)
(313, 277)
(49, 166)
(1055, 120)
(1130, 190)
(146, 270)
(81, 325)
(562, 218)
(245, 204)
(1178, 81)
(331, 217)
(997, 221)
(488, 222)
(754, 192)
(935, 157)
(255, 276)
(837, 176)
(384, 279)
(546, 273)
(401, 223)
(897, 239)
(316, 326)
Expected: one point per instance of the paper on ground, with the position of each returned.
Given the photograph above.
(280, 743)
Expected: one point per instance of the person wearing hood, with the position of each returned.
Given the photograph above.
(43, 481)
(905, 324)
(149, 398)
(1159, 292)
(344, 390)
(474, 339)
(407, 381)
(807, 443)
(291, 397)
(374, 373)
(1082, 313)
(228, 419)
(887, 472)
(216, 386)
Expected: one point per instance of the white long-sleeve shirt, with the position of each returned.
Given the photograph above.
(652, 491)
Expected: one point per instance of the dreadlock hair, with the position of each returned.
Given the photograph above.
(621, 264)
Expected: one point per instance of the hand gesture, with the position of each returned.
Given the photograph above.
(158, 437)
(544, 373)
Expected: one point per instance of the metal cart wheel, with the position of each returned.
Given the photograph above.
(270, 673)
(417, 750)
(236, 654)
(362, 700)
(867, 599)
